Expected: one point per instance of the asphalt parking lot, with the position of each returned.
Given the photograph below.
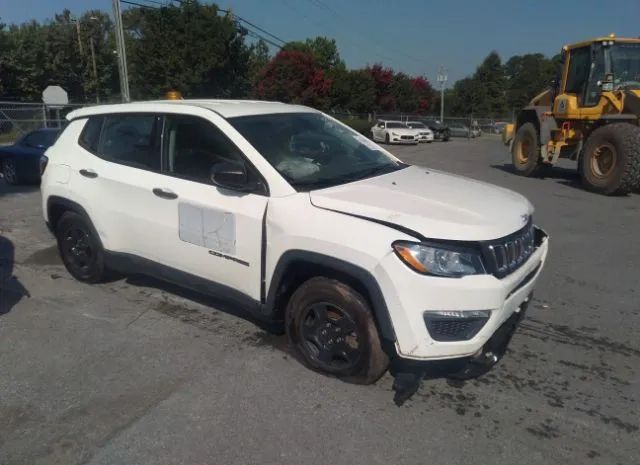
(136, 371)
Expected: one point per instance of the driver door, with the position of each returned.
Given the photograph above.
(210, 232)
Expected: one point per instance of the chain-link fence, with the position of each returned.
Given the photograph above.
(18, 118)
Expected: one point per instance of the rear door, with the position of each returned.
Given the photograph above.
(116, 177)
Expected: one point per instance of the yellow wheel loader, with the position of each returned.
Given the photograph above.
(590, 114)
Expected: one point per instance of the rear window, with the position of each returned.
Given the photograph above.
(91, 134)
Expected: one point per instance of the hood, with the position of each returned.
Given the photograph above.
(435, 204)
(403, 131)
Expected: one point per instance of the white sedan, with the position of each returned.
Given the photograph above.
(394, 132)
(424, 133)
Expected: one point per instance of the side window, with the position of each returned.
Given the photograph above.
(578, 71)
(91, 134)
(193, 145)
(131, 140)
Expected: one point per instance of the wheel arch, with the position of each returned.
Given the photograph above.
(541, 118)
(58, 206)
(297, 266)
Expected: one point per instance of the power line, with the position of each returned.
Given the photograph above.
(259, 29)
(138, 4)
(252, 25)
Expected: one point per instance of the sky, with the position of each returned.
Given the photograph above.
(414, 36)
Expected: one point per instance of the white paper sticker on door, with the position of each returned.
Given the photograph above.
(206, 227)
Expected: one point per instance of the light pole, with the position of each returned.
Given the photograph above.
(95, 69)
(93, 53)
(122, 53)
(442, 79)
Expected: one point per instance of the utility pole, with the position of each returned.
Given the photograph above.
(77, 21)
(95, 69)
(442, 79)
(122, 53)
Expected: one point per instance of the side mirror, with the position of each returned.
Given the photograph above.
(232, 176)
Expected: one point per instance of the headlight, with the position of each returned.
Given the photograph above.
(393, 134)
(439, 260)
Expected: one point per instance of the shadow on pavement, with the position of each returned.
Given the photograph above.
(203, 299)
(6, 189)
(11, 289)
(565, 176)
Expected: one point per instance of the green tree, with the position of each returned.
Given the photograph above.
(22, 71)
(96, 27)
(190, 48)
(527, 76)
(323, 49)
(258, 59)
(483, 93)
(353, 90)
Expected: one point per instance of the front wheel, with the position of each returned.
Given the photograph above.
(525, 153)
(331, 327)
(386, 139)
(610, 161)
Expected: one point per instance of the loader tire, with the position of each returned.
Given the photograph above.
(610, 161)
(525, 152)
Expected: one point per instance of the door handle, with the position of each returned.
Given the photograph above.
(165, 193)
(89, 174)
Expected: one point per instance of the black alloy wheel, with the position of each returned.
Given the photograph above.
(330, 337)
(80, 248)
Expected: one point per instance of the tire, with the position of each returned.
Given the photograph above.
(525, 152)
(319, 313)
(10, 172)
(610, 161)
(386, 139)
(80, 248)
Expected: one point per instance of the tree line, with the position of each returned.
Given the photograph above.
(204, 52)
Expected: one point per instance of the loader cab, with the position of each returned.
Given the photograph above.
(583, 74)
(591, 68)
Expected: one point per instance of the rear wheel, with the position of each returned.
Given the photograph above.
(525, 153)
(331, 327)
(610, 161)
(80, 249)
(10, 172)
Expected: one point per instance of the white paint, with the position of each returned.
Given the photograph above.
(130, 218)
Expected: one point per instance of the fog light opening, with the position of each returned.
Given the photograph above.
(449, 326)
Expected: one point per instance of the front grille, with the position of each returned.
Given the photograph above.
(453, 329)
(407, 137)
(506, 255)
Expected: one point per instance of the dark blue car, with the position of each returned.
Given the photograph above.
(20, 162)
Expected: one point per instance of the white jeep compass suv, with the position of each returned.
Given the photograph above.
(288, 213)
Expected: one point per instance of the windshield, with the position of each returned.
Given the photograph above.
(41, 138)
(625, 65)
(313, 151)
(396, 125)
(416, 125)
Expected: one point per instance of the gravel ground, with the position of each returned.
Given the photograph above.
(136, 371)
